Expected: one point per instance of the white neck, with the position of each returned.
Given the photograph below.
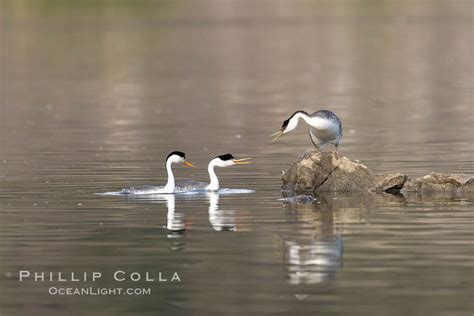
(214, 184)
(169, 187)
(304, 116)
(293, 124)
(315, 122)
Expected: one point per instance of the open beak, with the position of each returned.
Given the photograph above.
(189, 164)
(277, 134)
(242, 161)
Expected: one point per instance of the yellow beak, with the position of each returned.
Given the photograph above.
(188, 164)
(242, 161)
(277, 134)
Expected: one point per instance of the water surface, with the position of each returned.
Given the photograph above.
(95, 94)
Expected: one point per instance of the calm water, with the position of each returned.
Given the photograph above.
(95, 94)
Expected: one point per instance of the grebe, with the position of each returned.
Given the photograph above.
(222, 161)
(174, 157)
(324, 127)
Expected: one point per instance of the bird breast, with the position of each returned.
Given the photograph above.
(324, 129)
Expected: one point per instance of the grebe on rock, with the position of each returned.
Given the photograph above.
(324, 127)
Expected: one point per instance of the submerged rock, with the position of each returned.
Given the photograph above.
(301, 199)
(317, 171)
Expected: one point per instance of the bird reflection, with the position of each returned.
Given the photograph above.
(313, 261)
(313, 252)
(221, 220)
(176, 222)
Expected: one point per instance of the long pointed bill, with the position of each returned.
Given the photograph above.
(278, 135)
(242, 161)
(189, 164)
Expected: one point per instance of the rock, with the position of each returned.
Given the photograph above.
(440, 182)
(389, 183)
(318, 171)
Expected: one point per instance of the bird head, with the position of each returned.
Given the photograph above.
(178, 157)
(228, 160)
(288, 125)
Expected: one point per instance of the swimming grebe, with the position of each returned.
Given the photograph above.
(174, 157)
(222, 161)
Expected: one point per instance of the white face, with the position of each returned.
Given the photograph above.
(292, 124)
(176, 159)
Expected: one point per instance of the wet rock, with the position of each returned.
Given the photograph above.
(317, 171)
(389, 183)
(440, 183)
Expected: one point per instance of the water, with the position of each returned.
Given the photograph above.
(95, 94)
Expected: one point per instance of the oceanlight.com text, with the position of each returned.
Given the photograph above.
(97, 291)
